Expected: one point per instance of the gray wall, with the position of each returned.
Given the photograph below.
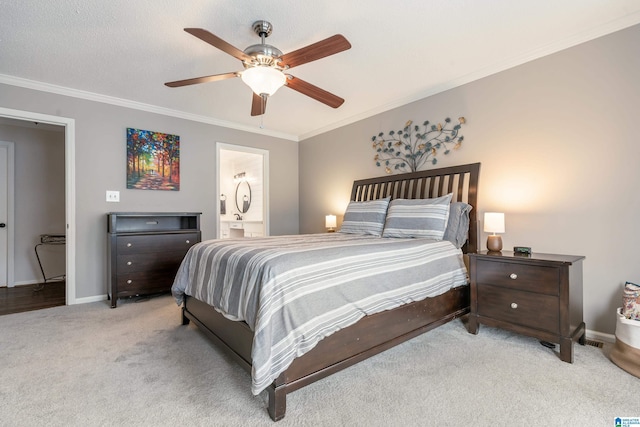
(559, 151)
(101, 165)
(39, 199)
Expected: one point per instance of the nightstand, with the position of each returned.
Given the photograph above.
(538, 295)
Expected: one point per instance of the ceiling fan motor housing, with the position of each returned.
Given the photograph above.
(263, 54)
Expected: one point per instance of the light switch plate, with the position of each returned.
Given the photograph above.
(113, 196)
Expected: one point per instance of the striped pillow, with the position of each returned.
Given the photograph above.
(365, 217)
(418, 217)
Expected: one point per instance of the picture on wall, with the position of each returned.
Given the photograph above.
(153, 160)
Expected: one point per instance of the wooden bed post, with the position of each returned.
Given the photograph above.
(277, 402)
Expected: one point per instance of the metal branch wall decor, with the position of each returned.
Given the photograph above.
(413, 146)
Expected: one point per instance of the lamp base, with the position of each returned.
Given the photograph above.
(494, 243)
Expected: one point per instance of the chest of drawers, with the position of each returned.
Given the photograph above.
(145, 250)
(538, 295)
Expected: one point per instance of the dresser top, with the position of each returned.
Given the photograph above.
(154, 213)
(510, 256)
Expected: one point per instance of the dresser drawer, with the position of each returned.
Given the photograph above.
(155, 243)
(138, 282)
(149, 261)
(528, 309)
(524, 277)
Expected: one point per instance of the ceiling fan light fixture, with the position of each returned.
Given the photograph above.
(263, 80)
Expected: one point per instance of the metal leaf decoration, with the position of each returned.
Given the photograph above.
(412, 147)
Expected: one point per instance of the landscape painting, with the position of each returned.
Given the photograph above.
(153, 160)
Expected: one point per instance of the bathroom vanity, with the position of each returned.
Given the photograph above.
(239, 228)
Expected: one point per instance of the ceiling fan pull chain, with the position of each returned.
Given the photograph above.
(263, 108)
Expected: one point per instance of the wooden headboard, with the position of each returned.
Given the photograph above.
(461, 180)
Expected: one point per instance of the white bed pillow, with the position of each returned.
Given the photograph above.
(365, 217)
(418, 217)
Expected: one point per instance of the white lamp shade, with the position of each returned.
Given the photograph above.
(263, 80)
(330, 221)
(493, 222)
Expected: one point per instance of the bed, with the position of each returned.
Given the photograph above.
(377, 322)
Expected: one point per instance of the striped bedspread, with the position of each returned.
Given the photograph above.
(295, 290)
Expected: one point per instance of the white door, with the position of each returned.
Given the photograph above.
(6, 210)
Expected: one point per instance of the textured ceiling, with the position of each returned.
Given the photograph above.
(122, 51)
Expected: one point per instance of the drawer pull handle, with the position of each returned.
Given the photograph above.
(514, 305)
(128, 245)
(188, 241)
(128, 262)
(514, 276)
(129, 281)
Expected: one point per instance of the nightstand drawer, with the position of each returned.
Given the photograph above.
(519, 307)
(524, 277)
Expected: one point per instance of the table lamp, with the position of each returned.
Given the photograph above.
(330, 223)
(494, 223)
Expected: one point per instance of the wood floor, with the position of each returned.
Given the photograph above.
(27, 298)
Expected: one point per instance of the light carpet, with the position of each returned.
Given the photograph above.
(136, 365)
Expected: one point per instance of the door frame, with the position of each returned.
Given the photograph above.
(265, 181)
(69, 183)
(10, 211)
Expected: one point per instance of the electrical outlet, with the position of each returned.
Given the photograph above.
(113, 196)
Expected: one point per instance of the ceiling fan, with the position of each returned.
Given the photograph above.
(265, 66)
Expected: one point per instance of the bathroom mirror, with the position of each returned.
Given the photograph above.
(243, 196)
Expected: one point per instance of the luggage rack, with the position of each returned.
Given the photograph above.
(49, 239)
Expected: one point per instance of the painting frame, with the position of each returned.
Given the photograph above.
(153, 160)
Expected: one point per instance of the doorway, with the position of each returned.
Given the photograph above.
(7, 158)
(68, 126)
(242, 191)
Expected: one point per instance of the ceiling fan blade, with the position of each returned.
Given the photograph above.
(326, 47)
(314, 92)
(216, 41)
(204, 79)
(258, 105)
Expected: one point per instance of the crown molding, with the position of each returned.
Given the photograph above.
(127, 103)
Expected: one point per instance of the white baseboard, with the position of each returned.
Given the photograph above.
(25, 283)
(86, 300)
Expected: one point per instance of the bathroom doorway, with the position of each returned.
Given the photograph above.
(242, 191)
